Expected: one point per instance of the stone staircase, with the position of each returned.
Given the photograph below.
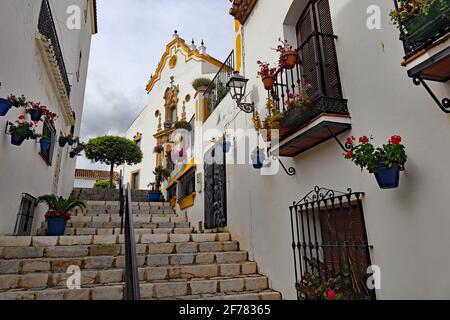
(174, 262)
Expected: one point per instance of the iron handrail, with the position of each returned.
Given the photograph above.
(132, 288)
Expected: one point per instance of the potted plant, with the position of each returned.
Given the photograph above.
(11, 101)
(158, 149)
(258, 158)
(161, 174)
(21, 131)
(36, 111)
(63, 140)
(45, 142)
(288, 56)
(59, 212)
(271, 122)
(77, 150)
(71, 140)
(267, 74)
(384, 162)
(421, 19)
(183, 125)
(201, 84)
(298, 108)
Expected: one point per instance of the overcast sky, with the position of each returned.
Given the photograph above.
(126, 51)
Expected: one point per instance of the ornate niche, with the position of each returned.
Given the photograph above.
(170, 105)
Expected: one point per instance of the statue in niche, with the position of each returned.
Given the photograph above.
(171, 101)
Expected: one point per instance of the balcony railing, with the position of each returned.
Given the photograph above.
(318, 69)
(218, 87)
(47, 28)
(419, 32)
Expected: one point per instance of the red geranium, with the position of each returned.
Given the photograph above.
(364, 140)
(265, 70)
(55, 214)
(349, 154)
(395, 139)
(22, 117)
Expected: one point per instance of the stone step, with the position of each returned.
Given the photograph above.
(221, 287)
(93, 212)
(116, 231)
(109, 225)
(110, 256)
(116, 218)
(90, 203)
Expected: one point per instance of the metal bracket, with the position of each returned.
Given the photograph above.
(8, 123)
(444, 105)
(345, 148)
(289, 171)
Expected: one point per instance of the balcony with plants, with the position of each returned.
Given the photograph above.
(424, 27)
(304, 96)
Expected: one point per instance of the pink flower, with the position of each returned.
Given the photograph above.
(331, 295)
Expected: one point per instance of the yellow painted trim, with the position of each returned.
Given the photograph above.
(197, 116)
(182, 47)
(187, 202)
(238, 52)
(173, 61)
(205, 110)
(237, 26)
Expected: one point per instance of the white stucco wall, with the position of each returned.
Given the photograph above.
(22, 71)
(83, 183)
(407, 226)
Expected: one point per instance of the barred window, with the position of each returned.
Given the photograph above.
(186, 185)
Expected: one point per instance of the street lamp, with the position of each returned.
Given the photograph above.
(238, 86)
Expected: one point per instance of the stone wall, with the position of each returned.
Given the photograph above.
(107, 195)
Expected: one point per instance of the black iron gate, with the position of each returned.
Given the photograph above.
(331, 250)
(215, 189)
(25, 216)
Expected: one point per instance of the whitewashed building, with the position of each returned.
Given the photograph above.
(362, 77)
(44, 56)
(86, 179)
(171, 98)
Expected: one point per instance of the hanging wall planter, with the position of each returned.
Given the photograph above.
(226, 145)
(384, 162)
(388, 178)
(62, 142)
(17, 139)
(290, 59)
(36, 115)
(269, 82)
(5, 105)
(45, 144)
(258, 158)
(71, 142)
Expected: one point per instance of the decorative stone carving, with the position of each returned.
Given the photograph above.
(241, 9)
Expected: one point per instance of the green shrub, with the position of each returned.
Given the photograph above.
(201, 82)
(104, 184)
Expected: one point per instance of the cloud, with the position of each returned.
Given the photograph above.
(126, 51)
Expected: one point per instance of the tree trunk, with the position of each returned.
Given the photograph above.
(111, 176)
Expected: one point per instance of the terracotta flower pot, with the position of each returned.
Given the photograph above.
(290, 59)
(268, 82)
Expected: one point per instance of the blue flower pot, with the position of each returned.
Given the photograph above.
(56, 226)
(388, 178)
(71, 142)
(62, 143)
(258, 159)
(36, 115)
(5, 105)
(17, 139)
(45, 144)
(226, 147)
(154, 196)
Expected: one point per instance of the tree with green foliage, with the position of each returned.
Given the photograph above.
(104, 184)
(113, 151)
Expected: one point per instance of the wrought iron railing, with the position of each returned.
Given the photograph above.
(440, 27)
(217, 90)
(330, 244)
(319, 70)
(132, 288)
(46, 27)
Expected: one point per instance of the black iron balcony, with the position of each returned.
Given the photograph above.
(47, 28)
(420, 31)
(327, 115)
(217, 90)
